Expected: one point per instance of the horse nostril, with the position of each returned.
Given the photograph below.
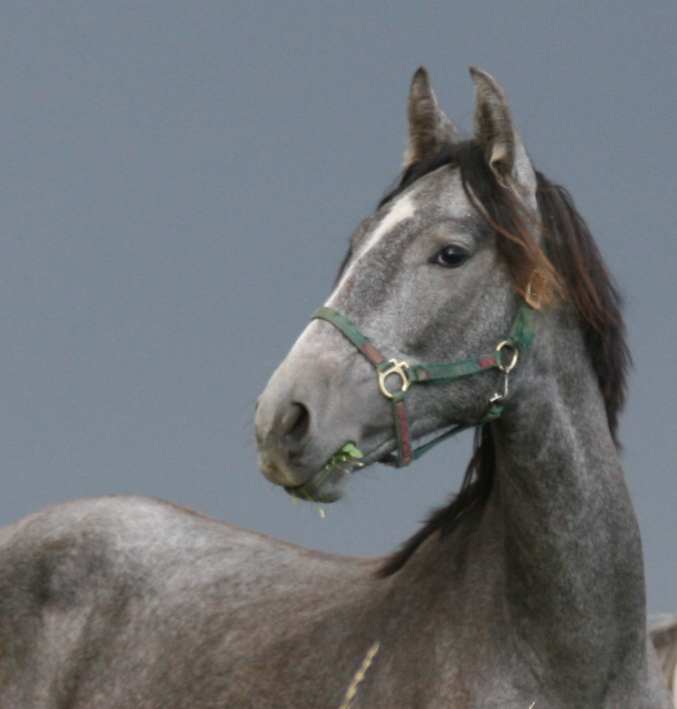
(295, 423)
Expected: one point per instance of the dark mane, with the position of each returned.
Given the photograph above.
(568, 266)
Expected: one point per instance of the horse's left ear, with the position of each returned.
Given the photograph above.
(494, 131)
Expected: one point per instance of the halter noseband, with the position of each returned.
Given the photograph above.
(504, 358)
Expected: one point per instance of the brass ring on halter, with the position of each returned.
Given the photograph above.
(392, 366)
(506, 367)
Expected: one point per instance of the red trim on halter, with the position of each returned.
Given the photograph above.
(371, 353)
(402, 430)
(486, 362)
(399, 408)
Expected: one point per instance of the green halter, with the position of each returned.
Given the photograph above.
(504, 358)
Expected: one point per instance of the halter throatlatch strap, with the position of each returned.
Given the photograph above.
(504, 358)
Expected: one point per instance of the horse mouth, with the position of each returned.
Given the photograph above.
(325, 485)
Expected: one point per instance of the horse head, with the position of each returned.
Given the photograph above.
(427, 326)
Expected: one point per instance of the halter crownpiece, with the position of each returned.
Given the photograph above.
(504, 358)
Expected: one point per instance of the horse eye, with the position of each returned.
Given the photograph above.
(451, 256)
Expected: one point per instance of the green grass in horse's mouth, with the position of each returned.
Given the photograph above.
(344, 461)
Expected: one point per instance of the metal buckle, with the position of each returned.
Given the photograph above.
(506, 368)
(401, 369)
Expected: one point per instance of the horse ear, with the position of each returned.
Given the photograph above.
(494, 131)
(429, 128)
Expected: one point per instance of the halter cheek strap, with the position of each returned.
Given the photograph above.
(504, 358)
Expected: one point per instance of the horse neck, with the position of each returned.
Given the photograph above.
(573, 565)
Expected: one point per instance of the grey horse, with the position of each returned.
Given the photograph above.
(525, 591)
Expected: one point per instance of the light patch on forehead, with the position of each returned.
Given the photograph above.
(402, 210)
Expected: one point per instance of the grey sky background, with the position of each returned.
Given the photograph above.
(179, 181)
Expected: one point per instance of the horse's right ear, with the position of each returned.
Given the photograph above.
(429, 128)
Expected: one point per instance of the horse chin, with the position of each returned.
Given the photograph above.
(320, 488)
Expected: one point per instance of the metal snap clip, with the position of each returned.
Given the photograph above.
(501, 347)
(400, 369)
